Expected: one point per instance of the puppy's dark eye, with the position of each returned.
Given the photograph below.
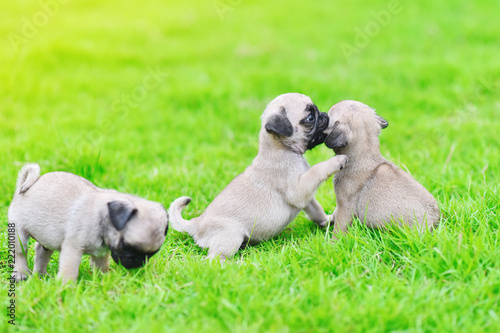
(310, 118)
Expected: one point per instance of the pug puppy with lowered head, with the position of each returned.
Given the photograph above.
(67, 213)
(259, 203)
(370, 187)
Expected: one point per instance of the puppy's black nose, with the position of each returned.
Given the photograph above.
(129, 256)
(323, 121)
(130, 261)
(318, 136)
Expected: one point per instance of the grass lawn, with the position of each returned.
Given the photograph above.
(163, 99)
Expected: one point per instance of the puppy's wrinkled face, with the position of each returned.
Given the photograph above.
(130, 256)
(295, 121)
(142, 227)
(352, 122)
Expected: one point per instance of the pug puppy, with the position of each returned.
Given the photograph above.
(371, 188)
(67, 213)
(259, 203)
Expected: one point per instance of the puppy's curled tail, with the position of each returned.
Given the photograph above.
(174, 213)
(28, 175)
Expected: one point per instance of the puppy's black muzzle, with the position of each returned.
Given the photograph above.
(318, 135)
(129, 256)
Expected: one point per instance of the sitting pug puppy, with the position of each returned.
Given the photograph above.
(67, 213)
(259, 203)
(371, 188)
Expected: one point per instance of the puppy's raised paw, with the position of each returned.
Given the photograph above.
(339, 162)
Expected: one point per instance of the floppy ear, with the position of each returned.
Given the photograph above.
(382, 122)
(337, 138)
(120, 212)
(279, 124)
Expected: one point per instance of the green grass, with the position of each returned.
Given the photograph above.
(433, 71)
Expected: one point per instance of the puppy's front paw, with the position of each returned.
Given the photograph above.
(340, 161)
(326, 223)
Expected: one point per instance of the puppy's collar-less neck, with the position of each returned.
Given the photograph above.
(280, 148)
(361, 150)
(363, 162)
(271, 146)
(294, 149)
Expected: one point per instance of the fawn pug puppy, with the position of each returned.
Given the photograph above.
(67, 213)
(259, 203)
(370, 187)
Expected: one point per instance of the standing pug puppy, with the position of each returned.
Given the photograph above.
(259, 203)
(67, 213)
(371, 188)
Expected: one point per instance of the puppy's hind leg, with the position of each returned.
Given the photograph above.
(21, 265)
(316, 213)
(224, 245)
(42, 258)
(101, 263)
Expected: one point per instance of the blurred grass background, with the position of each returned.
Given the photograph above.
(162, 99)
